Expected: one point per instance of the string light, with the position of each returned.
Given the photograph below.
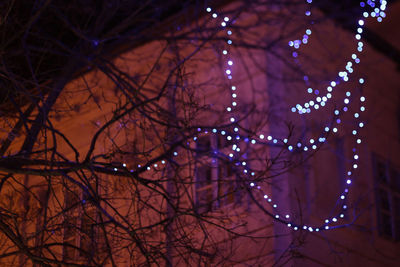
(314, 142)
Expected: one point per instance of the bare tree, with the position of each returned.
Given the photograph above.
(109, 109)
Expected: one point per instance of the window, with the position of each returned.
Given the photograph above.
(215, 180)
(387, 179)
(71, 200)
(80, 223)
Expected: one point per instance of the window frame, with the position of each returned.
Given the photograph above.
(219, 167)
(391, 206)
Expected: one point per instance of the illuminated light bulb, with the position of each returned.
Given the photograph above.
(265, 196)
(208, 9)
(163, 162)
(230, 62)
(175, 153)
(261, 136)
(287, 216)
(214, 15)
(289, 225)
(148, 168)
(348, 181)
(226, 19)
(124, 165)
(224, 52)
(334, 219)
(115, 169)
(277, 216)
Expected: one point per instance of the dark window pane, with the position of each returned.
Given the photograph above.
(88, 222)
(203, 145)
(384, 202)
(71, 199)
(225, 169)
(69, 227)
(69, 252)
(226, 183)
(397, 229)
(381, 172)
(204, 189)
(395, 178)
(204, 199)
(203, 176)
(396, 210)
(386, 225)
(226, 192)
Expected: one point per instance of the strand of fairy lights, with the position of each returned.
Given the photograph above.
(285, 218)
(244, 163)
(297, 43)
(320, 101)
